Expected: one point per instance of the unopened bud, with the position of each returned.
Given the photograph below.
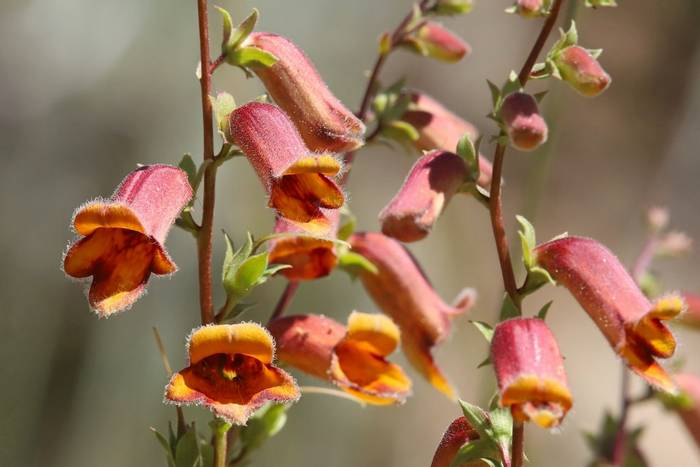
(583, 72)
(440, 43)
(524, 125)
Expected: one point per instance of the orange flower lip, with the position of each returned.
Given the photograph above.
(603, 287)
(299, 182)
(530, 371)
(123, 237)
(352, 358)
(231, 372)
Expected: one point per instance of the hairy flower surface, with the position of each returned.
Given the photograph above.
(524, 125)
(324, 122)
(459, 433)
(429, 186)
(439, 128)
(123, 237)
(530, 372)
(352, 358)
(600, 283)
(230, 372)
(441, 43)
(299, 182)
(400, 290)
(690, 385)
(309, 257)
(583, 72)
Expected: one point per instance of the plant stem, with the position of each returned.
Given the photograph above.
(204, 239)
(220, 443)
(496, 210)
(284, 300)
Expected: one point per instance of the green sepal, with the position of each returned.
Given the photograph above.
(600, 3)
(509, 309)
(494, 429)
(470, 153)
(234, 259)
(169, 456)
(678, 401)
(190, 168)
(348, 223)
(478, 418)
(485, 329)
(354, 264)
(243, 30)
(536, 278)
(385, 44)
(227, 28)
(234, 311)
(477, 450)
(495, 94)
(451, 7)
(187, 452)
(251, 57)
(223, 104)
(487, 361)
(399, 131)
(542, 314)
(528, 241)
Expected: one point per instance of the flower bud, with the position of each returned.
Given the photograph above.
(325, 124)
(690, 385)
(440, 43)
(439, 128)
(123, 237)
(583, 72)
(459, 433)
(400, 290)
(429, 186)
(675, 244)
(352, 358)
(658, 218)
(298, 181)
(600, 283)
(530, 372)
(524, 125)
(530, 8)
(309, 257)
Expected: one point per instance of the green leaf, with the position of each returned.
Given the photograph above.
(228, 27)
(251, 57)
(354, 264)
(223, 105)
(478, 418)
(528, 241)
(166, 447)
(487, 361)
(264, 424)
(248, 275)
(508, 309)
(243, 30)
(385, 44)
(484, 328)
(187, 164)
(470, 153)
(501, 425)
(536, 278)
(399, 131)
(495, 94)
(452, 7)
(474, 451)
(542, 314)
(233, 260)
(600, 3)
(187, 450)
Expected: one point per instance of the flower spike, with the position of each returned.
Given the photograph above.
(123, 238)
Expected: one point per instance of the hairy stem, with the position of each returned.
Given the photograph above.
(496, 209)
(204, 238)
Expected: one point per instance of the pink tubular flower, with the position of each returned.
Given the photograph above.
(123, 237)
(400, 290)
(690, 385)
(309, 257)
(441, 43)
(583, 72)
(691, 317)
(530, 372)
(298, 181)
(429, 186)
(325, 124)
(524, 125)
(352, 358)
(632, 325)
(438, 128)
(459, 433)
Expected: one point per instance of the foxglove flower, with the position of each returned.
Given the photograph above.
(690, 385)
(439, 128)
(230, 372)
(523, 123)
(352, 358)
(459, 433)
(440, 43)
(400, 290)
(531, 8)
(309, 257)
(530, 372)
(431, 183)
(577, 67)
(325, 124)
(299, 182)
(600, 283)
(123, 237)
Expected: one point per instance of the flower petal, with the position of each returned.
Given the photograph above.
(98, 214)
(244, 338)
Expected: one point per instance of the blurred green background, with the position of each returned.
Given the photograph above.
(88, 89)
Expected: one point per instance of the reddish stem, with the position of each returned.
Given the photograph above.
(284, 300)
(204, 238)
(216, 63)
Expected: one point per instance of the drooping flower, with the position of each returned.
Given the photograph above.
(123, 237)
(459, 433)
(524, 125)
(583, 72)
(309, 257)
(400, 290)
(600, 283)
(690, 385)
(352, 358)
(325, 124)
(230, 372)
(530, 372)
(440, 43)
(439, 128)
(299, 182)
(429, 186)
